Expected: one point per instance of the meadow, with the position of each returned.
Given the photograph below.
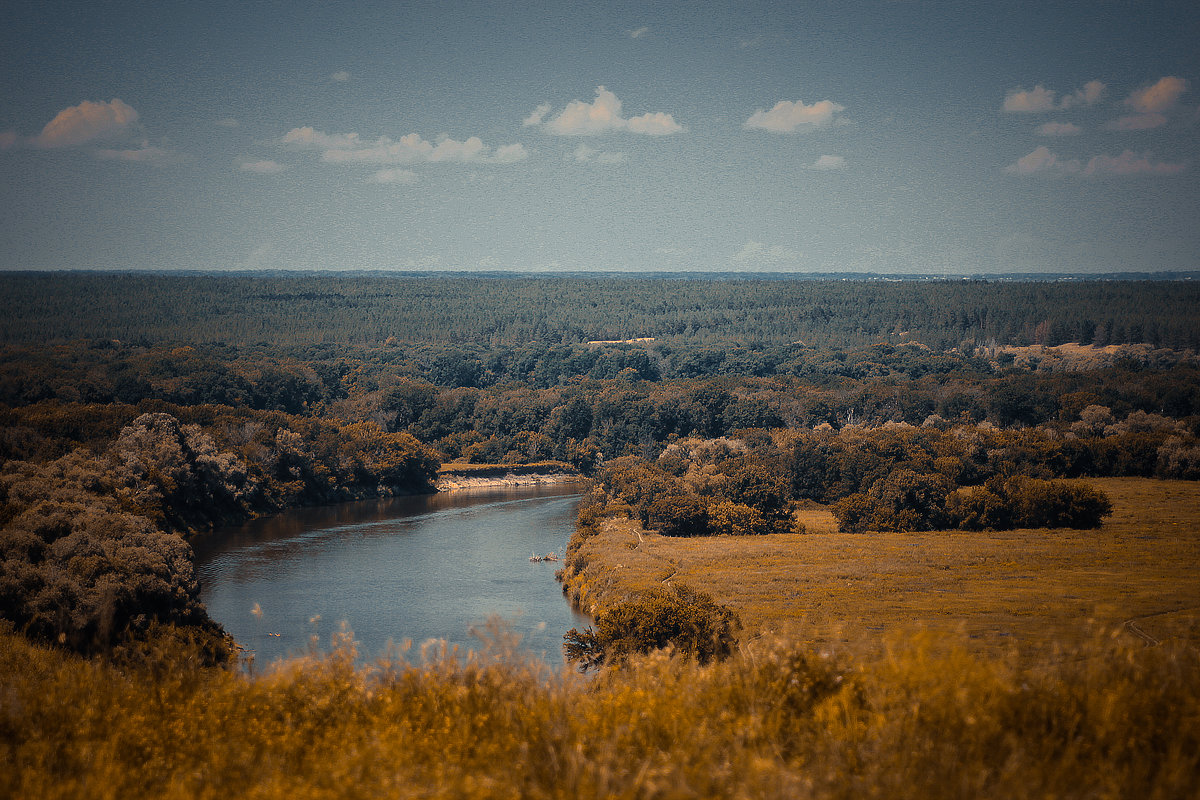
(1046, 589)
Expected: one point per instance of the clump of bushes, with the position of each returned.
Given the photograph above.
(908, 501)
(902, 501)
(703, 488)
(1002, 504)
(690, 621)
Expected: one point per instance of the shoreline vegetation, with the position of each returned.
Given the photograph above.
(842, 538)
(459, 476)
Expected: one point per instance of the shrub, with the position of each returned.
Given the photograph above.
(1056, 504)
(1003, 504)
(904, 500)
(690, 621)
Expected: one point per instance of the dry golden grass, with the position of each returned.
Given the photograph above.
(1043, 588)
(777, 720)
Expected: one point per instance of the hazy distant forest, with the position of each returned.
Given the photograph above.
(139, 409)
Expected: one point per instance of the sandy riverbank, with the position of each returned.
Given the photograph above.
(481, 476)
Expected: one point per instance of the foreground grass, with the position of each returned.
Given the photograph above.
(1038, 587)
(925, 718)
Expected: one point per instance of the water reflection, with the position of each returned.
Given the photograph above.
(414, 567)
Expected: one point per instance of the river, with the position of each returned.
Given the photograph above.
(417, 568)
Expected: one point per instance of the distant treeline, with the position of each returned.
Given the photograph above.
(301, 310)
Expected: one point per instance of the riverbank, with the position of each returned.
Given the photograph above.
(457, 476)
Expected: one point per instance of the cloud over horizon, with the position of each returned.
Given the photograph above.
(146, 153)
(1158, 97)
(1043, 161)
(1150, 104)
(1040, 99)
(602, 115)
(793, 117)
(343, 148)
(88, 122)
(262, 167)
(1058, 129)
(756, 255)
(589, 155)
(827, 163)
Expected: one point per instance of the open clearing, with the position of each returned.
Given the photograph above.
(1138, 574)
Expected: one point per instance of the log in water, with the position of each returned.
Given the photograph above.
(418, 568)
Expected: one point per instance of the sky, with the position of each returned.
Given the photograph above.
(876, 136)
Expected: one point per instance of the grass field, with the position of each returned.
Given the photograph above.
(1140, 572)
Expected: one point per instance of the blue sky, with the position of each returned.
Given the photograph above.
(895, 137)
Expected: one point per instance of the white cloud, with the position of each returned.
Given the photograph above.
(145, 154)
(1039, 98)
(341, 76)
(603, 115)
(394, 175)
(638, 33)
(1149, 105)
(510, 154)
(1129, 163)
(535, 117)
(307, 138)
(345, 148)
(756, 255)
(1022, 101)
(1137, 122)
(1089, 95)
(1059, 129)
(263, 167)
(88, 122)
(585, 154)
(654, 124)
(1158, 97)
(1044, 161)
(826, 163)
(228, 122)
(788, 117)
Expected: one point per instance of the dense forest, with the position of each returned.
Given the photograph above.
(136, 409)
(298, 310)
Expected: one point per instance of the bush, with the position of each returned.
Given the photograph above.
(691, 621)
(1004, 504)
(678, 515)
(904, 500)
(1056, 504)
